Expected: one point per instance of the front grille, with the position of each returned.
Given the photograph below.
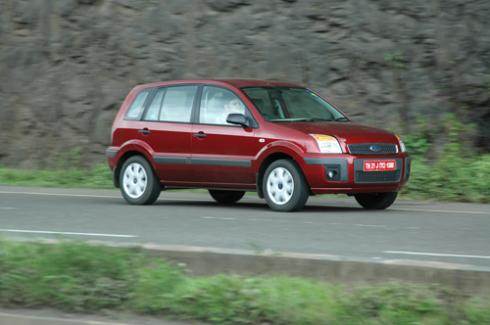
(372, 148)
(361, 176)
(377, 177)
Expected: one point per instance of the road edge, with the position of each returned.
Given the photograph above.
(206, 261)
(330, 269)
(47, 316)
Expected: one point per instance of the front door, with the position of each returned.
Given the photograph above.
(222, 153)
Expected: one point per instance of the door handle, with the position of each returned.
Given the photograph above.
(199, 135)
(144, 131)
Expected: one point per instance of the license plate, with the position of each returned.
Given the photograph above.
(379, 165)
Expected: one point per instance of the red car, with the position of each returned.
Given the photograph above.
(231, 136)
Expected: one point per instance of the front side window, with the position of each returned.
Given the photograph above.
(284, 104)
(134, 112)
(176, 103)
(217, 103)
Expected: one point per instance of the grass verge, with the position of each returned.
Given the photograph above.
(454, 177)
(97, 177)
(85, 278)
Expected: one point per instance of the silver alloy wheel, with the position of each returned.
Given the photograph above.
(280, 185)
(135, 180)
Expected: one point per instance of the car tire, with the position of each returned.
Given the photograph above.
(376, 201)
(226, 197)
(284, 186)
(138, 182)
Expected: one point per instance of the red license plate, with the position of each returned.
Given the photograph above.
(379, 165)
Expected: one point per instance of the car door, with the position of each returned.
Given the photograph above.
(167, 129)
(222, 153)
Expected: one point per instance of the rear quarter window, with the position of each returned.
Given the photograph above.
(136, 109)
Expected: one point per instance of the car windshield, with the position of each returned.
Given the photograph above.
(285, 104)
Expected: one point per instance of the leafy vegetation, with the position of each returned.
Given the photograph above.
(83, 278)
(444, 166)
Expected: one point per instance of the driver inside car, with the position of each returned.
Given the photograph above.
(233, 106)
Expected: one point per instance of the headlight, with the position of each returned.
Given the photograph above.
(327, 143)
(402, 145)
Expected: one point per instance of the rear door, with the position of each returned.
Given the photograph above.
(222, 153)
(167, 129)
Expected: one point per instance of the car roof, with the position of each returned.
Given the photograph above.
(238, 83)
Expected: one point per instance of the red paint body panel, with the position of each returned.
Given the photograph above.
(170, 140)
(231, 156)
(224, 143)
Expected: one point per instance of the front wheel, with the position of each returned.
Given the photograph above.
(284, 186)
(226, 197)
(376, 201)
(139, 184)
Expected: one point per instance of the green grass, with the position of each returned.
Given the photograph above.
(82, 278)
(451, 178)
(97, 177)
(446, 166)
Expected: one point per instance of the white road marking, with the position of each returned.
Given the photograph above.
(25, 319)
(437, 254)
(66, 233)
(218, 218)
(356, 224)
(373, 226)
(62, 194)
(7, 208)
(92, 196)
(441, 211)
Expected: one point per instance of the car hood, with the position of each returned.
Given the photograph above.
(346, 132)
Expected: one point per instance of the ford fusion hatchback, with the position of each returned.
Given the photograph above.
(231, 136)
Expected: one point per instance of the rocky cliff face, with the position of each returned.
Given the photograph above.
(66, 65)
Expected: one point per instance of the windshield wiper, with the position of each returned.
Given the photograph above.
(292, 119)
(308, 119)
(342, 119)
(318, 119)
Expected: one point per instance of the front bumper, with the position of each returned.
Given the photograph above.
(349, 176)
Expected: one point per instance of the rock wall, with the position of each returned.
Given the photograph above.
(66, 65)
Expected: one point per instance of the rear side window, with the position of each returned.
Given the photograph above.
(176, 103)
(136, 109)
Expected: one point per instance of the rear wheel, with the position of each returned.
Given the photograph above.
(226, 197)
(284, 186)
(139, 184)
(376, 201)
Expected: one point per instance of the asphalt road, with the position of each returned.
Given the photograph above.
(454, 234)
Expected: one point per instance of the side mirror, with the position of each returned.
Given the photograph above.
(238, 119)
